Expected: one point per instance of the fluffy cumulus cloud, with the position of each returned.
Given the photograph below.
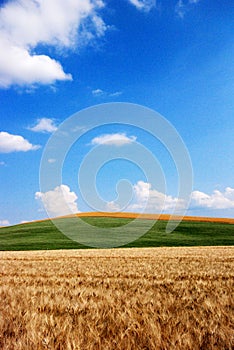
(4, 223)
(59, 201)
(149, 199)
(15, 143)
(44, 125)
(216, 200)
(117, 139)
(143, 5)
(25, 24)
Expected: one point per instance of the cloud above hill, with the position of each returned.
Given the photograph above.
(62, 201)
(149, 199)
(26, 24)
(59, 201)
(216, 200)
(4, 223)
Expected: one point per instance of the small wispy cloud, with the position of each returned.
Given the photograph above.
(115, 94)
(4, 223)
(117, 139)
(79, 128)
(143, 5)
(51, 160)
(44, 125)
(98, 92)
(15, 143)
(112, 206)
(182, 7)
(102, 93)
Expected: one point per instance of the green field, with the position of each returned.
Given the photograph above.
(44, 235)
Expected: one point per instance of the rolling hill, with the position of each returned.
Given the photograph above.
(192, 231)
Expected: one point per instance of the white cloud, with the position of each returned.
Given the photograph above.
(51, 160)
(112, 206)
(151, 200)
(79, 128)
(25, 24)
(182, 7)
(144, 5)
(4, 223)
(118, 139)
(15, 143)
(148, 199)
(98, 92)
(115, 94)
(19, 67)
(216, 200)
(44, 125)
(102, 93)
(60, 201)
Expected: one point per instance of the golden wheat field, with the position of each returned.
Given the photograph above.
(159, 298)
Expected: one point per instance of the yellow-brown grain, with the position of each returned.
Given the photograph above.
(159, 298)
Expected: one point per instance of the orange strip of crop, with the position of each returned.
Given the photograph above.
(128, 215)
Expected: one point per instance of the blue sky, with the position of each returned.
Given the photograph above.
(57, 58)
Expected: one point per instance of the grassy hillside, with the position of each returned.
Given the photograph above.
(44, 235)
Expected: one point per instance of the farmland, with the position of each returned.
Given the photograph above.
(190, 232)
(131, 298)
